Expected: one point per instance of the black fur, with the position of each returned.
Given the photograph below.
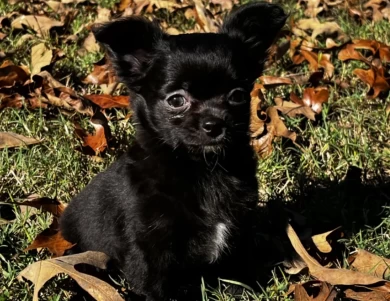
(156, 210)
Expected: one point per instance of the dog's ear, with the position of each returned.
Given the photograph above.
(131, 44)
(256, 25)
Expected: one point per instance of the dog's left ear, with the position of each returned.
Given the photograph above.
(256, 25)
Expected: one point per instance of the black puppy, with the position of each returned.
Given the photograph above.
(177, 205)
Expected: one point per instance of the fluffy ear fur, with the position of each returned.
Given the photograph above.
(131, 43)
(257, 25)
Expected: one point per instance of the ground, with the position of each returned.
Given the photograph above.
(337, 173)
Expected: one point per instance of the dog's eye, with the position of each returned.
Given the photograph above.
(176, 101)
(238, 97)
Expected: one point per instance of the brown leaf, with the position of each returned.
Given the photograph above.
(315, 97)
(300, 294)
(8, 140)
(321, 241)
(53, 206)
(375, 79)
(319, 61)
(123, 4)
(273, 81)
(366, 262)
(317, 28)
(42, 271)
(225, 4)
(295, 266)
(206, 23)
(102, 74)
(39, 24)
(11, 74)
(98, 141)
(52, 240)
(377, 49)
(367, 295)
(10, 101)
(109, 101)
(40, 57)
(56, 6)
(380, 9)
(2, 36)
(277, 126)
(333, 276)
(90, 44)
(293, 109)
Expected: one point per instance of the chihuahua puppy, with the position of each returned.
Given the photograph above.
(177, 205)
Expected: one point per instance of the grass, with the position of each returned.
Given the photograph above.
(338, 175)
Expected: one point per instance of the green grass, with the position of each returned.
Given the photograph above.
(338, 175)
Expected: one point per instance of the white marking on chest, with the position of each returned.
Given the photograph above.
(219, 239)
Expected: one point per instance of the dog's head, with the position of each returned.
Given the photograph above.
(192, 91)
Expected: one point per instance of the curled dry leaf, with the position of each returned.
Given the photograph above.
(102, 74)
(378, 49)
(380, 9)
(97, 142)
(323, 242)
(317, 28)
(334, 276)
(42, 271)
(40, 24)
(225, 4)
(273, 81)
(56, 6)
(293, 109)
(109, 101)
(53, 206)
(52, 240)
(366, 262)
(8, 140)
(11, 74)
(300, 294)
(205, 23)
(315, 97)
(375, 79)
(367, 295)
(317, 61)
(11, 101)
(41, 57)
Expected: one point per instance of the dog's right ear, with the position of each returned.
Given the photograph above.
(131, 44)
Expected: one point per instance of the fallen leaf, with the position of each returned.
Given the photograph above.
(367, 295)
(293, 109)
(225, 4)
(102, 74)
(90, 44)
(56, 6)
(52, 240)
(294, 266)
(300, 294)
(42, 271)
(11, 74)
(321, 241)
(2, 36)
(317, 61)
(53, 206)
(315, 97)
(317, 28)
(380, 9)
(97, 141)
(39, 24)
(375, 79)
(333, 276)
(8, 140)
(206, 23)
(11, 101)
(366, 262)
(273, 81)
(40, 57)
(109, 101)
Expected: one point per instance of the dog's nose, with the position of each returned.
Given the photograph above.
(213, 127)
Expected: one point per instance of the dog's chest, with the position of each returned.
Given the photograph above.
(219, 241)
